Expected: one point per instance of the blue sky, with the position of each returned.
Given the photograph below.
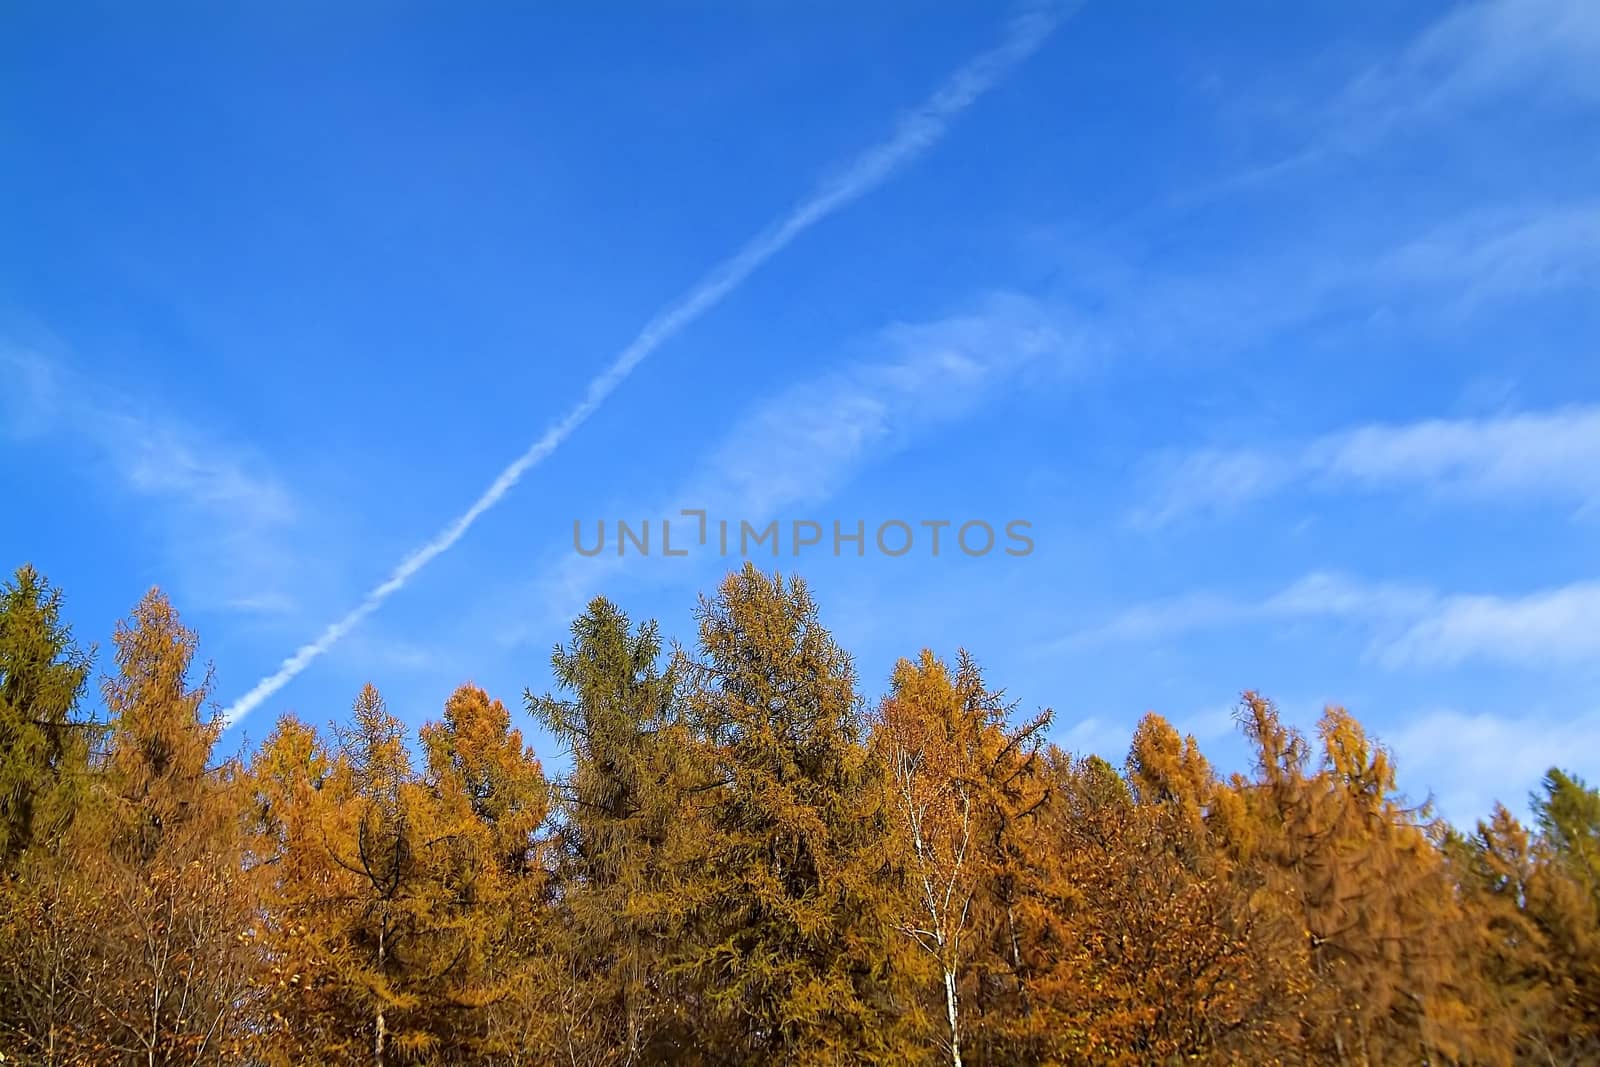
(1278, 326)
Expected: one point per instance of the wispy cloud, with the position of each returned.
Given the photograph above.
(796, 447)
(1549, 455)
(223, 513)
(1408, 625)
(161, 459)
(1550, 627)
(799, 446)
(1429, 275)
(1470, 760)
(1094, 736)
(1485, 47)
(1317, 595)
(1502, 254)
(1480, 51)
(914, 135)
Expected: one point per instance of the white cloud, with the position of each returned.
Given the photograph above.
(1408, 626)
(1484, 47)
(1094, 737)
(1317, 595)
(1211, 724)
(1160, 618)
(1208, 481)
(160, 459)
(221, 512)
(1502, 254)
(1554, 626)
(1530, 49)
(801, 445)
(1470, 760)
(1334, 596)
(1553, 455)
(1433, 275)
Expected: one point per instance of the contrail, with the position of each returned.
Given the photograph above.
(914, 135)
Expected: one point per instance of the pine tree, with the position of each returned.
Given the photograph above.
(1568, 813)
(792, 959)
(625, 838)
(1557, 897)
(1505, 887)
(44, 742)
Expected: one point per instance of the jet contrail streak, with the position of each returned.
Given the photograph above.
(915, 134)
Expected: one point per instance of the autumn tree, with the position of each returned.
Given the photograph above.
(183, 995)
(1137, 939)
(346, 931)
(1167, 768)
(492, 799)
(139, 925)
(379, 847)
(1536, 924)
(397, 904)
(793, 948)
(302, 894)
(1360, 871)
(1008, 909)
(1568, 907)
(740, 866)
(950, 756)
(1505, 887)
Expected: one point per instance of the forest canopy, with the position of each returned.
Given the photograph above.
(746, 860)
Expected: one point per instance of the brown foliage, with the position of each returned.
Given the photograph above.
(742, 866)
